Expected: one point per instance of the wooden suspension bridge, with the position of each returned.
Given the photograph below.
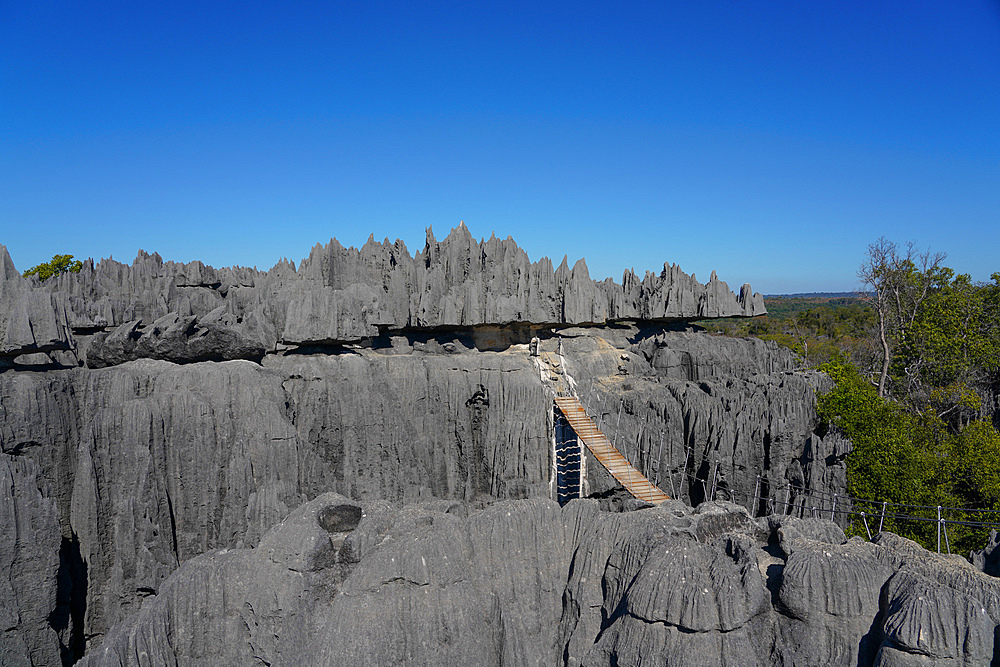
(591, 435)
(605, 452)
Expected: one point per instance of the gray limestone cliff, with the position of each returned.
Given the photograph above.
(29, 567)
(184, 451)
(151, 463)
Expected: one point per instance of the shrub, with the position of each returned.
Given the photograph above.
(59, 264)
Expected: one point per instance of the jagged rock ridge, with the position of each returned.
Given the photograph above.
(191, 312)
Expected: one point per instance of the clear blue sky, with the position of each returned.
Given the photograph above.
(771, 141)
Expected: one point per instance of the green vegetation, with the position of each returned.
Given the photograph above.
(916, 364)
(59, 264)
(914, 458)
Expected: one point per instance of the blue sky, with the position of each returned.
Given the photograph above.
(770, 141)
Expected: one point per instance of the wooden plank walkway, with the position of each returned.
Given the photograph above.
(619, 467)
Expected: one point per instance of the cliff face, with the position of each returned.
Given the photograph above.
(151, 463)
(29, 563)
(154, 414)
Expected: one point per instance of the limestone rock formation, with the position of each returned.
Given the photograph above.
(988, 559)
(212, 337)
(152, 463)
(160, 423)
(31, 321)
(337, 295)
(530, 583)
(687, 407)
(29, 568)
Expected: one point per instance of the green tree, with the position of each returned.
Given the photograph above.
(900, 281)
(883, 464)
(59, 264)
(914, 459)
(952, 344)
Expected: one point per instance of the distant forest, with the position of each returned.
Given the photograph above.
(811, 295)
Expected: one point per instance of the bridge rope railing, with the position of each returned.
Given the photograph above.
(568, 463)
(799, 499)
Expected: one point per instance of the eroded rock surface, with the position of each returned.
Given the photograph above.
(530, 583)
(29, 568)
(162, 419)
(192, 312)
(152, 463)
(32, 321)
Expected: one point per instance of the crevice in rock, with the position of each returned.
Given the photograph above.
(71, 601)
(452, 339)
(13, 364)
(90, 330)
(682, 629)
(697, 491)
(21, 448)
(872, 640)
(173, 525)
(476, 469)
(316, 349)
(402, 581)
(775, 574)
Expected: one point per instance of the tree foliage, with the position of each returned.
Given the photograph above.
(59, 264)
(916, 365)
(951, 347)
(922, 413)
(914, 459)
(938, 335)
(817, 328)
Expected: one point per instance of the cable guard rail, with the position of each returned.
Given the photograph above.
(881, 511)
